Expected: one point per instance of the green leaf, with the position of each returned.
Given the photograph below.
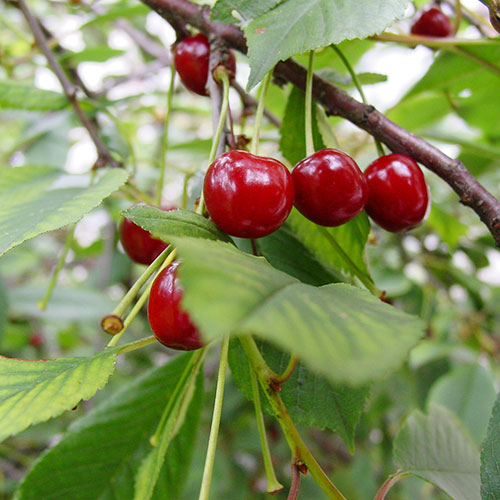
(285, 30)
(149, 471)
(339, 331)
(420, 111)
(248, 10)
(469, 392)
(165, 225)
(4, 307)
(292, 132)
(65, 303)
(351, 237)
(34, 391)
(40, 199)
(95, 458)
(490, 457)
(470, 88)
(285, 252)
(17, 95)
(93, 54)
(369, 78)
(310, 399)
(448, 226)
(118, 12)
(454, 72)
(435, 448)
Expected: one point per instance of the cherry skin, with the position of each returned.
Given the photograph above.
(330, 189)
(191, 60)
(246, 195)
(140, 246)
(398, 197)
(433, 23)
(171, 326)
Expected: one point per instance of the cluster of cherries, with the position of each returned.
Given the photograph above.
(251, 196)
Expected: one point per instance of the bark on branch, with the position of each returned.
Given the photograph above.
(337, 102)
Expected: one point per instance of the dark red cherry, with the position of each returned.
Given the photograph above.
(247, 195)
(329, 187)
(140, 246)
(433, 23)
(398, 197)
(191, 59)
(170, 324)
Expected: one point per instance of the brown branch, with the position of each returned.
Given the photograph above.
(337, 102)
(104, 155)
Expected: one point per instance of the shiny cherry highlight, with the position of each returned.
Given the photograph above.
(433, 23)
(398, 196)
(171, 325)
(191, 60)
(246, 195)
(330, 189)
(138, 243)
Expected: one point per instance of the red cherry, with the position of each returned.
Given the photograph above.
(140, 246)
(247, 195)
(191, 59)
(398, 197)
(171, 325)
(433, 23)
(329, 187)
(36, 340)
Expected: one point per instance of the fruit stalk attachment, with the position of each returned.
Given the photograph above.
(141, 301)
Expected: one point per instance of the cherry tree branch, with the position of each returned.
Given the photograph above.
(104, 155)
(337, 102)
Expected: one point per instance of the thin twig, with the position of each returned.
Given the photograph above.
(104, 155)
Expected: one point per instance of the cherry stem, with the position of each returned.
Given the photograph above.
(164, 139)
(359, 87)
(137, 344)
(292, 363)
(295, 486)
(134, 290)
(259, 113)
(42, 305)
(140, 302)
(180, 390)
(308, 106)
(389, 483)
(297, 446)
(273, 485)
(214, 429)
(356, 271)
(223, 76)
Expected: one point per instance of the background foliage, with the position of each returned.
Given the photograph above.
(446, 272)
